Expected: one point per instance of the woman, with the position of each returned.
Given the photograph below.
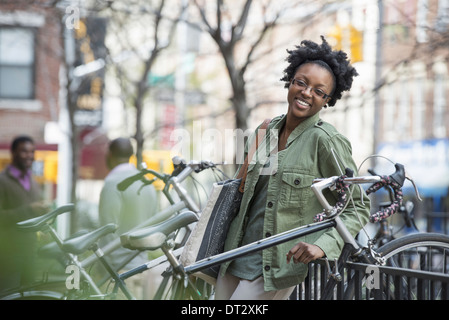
(277, 200)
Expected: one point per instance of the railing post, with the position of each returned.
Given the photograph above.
(394, 283)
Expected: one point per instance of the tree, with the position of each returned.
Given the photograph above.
(228, 40)
(156, 22)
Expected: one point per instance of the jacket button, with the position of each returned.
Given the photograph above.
(267, 268)
(270, 204)
(297, 181)
(267, 234)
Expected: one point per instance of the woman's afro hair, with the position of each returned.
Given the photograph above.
(337, 61)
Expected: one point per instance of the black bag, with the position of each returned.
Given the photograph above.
(209, 234)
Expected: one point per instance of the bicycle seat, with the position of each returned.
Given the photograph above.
(153, 237)
(53, 251)
(36, 224)
(80, 244)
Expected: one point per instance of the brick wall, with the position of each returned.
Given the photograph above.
(30, 116)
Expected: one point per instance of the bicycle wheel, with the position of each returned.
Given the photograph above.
(35, 295)
(419, 252)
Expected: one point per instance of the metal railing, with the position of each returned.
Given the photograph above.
(388, 283)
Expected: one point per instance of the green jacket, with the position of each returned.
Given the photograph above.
(290, 200)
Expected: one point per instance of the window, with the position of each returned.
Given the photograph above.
(16, 63)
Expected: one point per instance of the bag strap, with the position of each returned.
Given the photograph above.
(244, 168)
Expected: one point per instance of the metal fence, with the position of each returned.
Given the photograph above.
(388, 284)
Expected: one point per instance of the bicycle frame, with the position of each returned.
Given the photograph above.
(351, 246)
(260, 245)
(115, 244)
(44, 224)
(333, 222)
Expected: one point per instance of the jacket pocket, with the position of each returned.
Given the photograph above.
(295, 189)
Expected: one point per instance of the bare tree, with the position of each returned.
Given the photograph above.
(228, 39)
(157, 30)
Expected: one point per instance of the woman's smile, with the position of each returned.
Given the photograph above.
(301, 104)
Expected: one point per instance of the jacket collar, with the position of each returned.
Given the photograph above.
(303, 126)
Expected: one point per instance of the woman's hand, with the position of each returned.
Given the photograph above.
(305, 253)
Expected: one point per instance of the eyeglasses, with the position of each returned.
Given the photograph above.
(317, 92)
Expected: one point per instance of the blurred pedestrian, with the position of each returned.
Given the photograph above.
(126, 209)
(21, 198)
(280, 200)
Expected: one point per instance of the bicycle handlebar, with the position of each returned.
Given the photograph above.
(122, 186)
(395, 181)
(341, 184)
(181, 171)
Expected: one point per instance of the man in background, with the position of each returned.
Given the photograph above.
(126, 209)
(20, 199)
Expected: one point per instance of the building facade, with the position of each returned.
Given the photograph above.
(30, 61)
(413, 111)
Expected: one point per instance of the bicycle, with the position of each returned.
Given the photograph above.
(180, 275)
(182, 286)
(184, 211)
(413, 253)
(70, 249)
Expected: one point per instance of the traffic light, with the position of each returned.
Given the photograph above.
(348, 39)
(356, 44)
